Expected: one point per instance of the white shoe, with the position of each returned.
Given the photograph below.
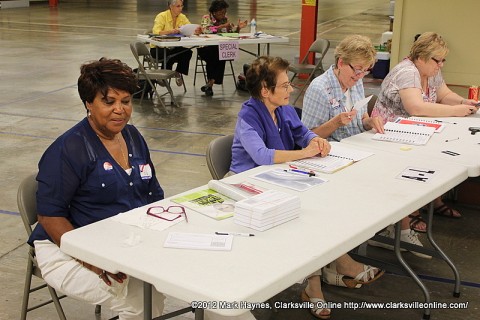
(408, 236)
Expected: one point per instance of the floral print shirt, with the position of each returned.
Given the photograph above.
(404, 75)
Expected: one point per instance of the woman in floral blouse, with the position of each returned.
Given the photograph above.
(216, 22)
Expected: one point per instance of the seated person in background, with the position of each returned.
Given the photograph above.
(415, 87)
(266, 132)
(328, 111)
(168, 22)
(84, 177)
(216, 22)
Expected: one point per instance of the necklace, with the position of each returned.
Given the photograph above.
(121, 150)
(123, 154)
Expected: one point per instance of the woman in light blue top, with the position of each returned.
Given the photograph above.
(329, 100)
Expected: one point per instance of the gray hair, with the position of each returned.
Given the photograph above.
(173, 2)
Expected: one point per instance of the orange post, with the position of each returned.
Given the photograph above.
(308, 28)
(53, 3)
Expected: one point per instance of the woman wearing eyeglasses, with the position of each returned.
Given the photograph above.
(415, 86)
(216, 22)
(168, 22)
(329, 100)
(266, 132)
(267, 128)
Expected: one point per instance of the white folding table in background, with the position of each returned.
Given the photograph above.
(196, 41)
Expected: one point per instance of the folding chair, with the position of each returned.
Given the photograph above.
(199, 64)
(27, 206)
(219, 156)
(147, 71)
(319, 46)
(26, 201)
(371, 104)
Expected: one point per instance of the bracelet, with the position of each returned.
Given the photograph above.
(81, 262)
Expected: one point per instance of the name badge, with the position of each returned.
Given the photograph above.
(334, 103)
(145, 171)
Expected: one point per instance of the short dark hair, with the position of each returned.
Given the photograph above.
(263, 74)
(217, 5)
(99, 76)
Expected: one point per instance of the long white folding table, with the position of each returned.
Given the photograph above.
(337, 216)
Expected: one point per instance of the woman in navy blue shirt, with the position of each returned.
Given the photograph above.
(95, 170)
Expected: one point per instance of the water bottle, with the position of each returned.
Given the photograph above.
(253, 26)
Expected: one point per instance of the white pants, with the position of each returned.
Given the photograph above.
(69, 277)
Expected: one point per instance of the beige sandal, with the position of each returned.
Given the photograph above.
(332, 277)
(316, 310)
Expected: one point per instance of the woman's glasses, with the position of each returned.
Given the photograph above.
(438, 61)
(170, 213)
(359, 72)
(285, 86)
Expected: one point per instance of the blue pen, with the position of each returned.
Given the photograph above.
(310, 174)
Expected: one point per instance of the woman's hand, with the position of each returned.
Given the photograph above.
(471, 102)
(174, 31)
(317, 146)
(104, 275)
(373, 123)
(345, 118)
(242, 24)
(228, 26)
(463, 110)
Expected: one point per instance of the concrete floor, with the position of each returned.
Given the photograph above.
(41, 51)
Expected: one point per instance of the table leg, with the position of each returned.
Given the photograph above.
(456, 290)
(398, 254)
(147, 301)
(164, 64)
(199, 313)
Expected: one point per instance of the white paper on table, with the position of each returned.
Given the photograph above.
(188, 29)
(361, 103)
(417, 174)
(199, 241)
(138, 217)
(283, 178)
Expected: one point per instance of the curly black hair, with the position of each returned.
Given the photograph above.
(99, 76)
(218, 5)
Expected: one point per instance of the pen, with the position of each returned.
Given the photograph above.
(445, 121)
(309, 173)
(448, 140)
(241, 234)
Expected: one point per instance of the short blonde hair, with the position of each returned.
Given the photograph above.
(428, 45)
(356, 48)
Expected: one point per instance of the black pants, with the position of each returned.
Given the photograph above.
(215, 67)
(180, 55)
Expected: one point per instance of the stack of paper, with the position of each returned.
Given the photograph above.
(267, 210)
